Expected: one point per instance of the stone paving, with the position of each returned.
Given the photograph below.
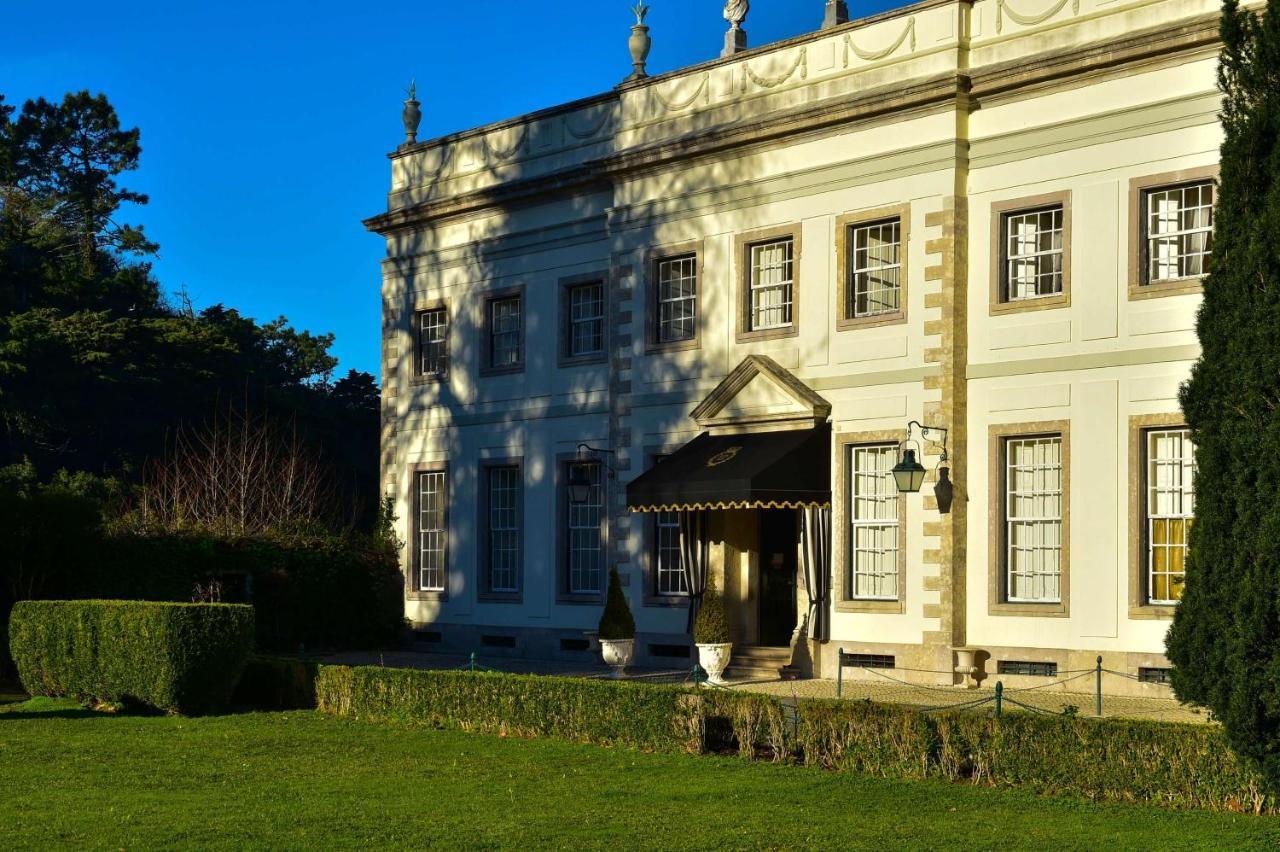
(884, 688)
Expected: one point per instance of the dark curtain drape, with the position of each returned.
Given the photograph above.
(816, 532)
(695, 550)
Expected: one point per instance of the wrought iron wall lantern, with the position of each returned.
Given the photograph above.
(909, 474)
(580, 483)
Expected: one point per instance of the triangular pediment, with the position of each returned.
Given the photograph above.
(761, 393)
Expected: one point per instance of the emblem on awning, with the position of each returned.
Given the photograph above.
(726, 456)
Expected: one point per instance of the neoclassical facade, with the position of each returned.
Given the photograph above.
(738, 284)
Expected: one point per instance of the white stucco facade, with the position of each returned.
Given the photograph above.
(945, 117)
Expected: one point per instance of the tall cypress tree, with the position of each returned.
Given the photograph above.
(1225, 639)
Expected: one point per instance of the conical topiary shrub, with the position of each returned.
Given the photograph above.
(617, 622)
(711, 627)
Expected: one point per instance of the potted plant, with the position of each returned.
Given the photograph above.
(711, 634)
(617, 628)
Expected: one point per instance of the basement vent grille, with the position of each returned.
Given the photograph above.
(498, 641)
(680, 652)
(1022, 667)
(574, 644)
(1154, 675)
(870, 661)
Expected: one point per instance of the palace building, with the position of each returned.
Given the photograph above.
(689, 327)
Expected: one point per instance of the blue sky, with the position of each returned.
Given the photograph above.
(265, 124)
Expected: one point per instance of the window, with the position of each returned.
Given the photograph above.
(1155, 675)
(433, 531)
(875, 278)
(670, 576)
(771, 284)
(503, 515)
(433, 342)
(676, 299)
(867, 661)
(585, 541)
(585, 330)
(505, 333)
(873, 523)
(1170, 507)
(1032, 253)
(1177, 223)
(1033, 504)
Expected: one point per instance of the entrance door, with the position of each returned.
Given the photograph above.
(779, 538)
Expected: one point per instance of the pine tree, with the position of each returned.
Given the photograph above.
(1225, 639)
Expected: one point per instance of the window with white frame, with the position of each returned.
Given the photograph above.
(669, 580)
(874, 285)
(772, 279)
(505, 493)
(677, 299)
(585, 541)
(432, 531)
(433, 342)
(1170, 508)
(1178, 231)
(1033, 519)
(505, 344)
(873, 523)
(586, 320)
(1033, 254)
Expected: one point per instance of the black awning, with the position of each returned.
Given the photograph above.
(787, 469)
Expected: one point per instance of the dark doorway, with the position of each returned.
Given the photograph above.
(779, 538)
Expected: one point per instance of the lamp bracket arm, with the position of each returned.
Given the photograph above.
(926, 432)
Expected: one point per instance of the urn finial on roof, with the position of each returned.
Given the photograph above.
(412, 114)
(640, 44)
(735, 12)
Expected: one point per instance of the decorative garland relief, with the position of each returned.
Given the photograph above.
(1003, 8)
(908, 32)
(801, 64)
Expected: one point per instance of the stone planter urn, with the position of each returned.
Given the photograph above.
(966, 666)
(714, 659)
(412, 115)
(617, 653)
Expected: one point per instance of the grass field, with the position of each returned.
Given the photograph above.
(71, 777)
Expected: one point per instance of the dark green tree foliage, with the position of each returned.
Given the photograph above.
(616, 622)
(97, 369)
(1225, 639)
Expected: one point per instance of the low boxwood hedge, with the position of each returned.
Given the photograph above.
(179, 658)
(601, 712)
(1117, 760)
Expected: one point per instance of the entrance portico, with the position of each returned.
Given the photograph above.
(753, 493)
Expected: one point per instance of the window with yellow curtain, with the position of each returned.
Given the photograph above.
(1171, 465)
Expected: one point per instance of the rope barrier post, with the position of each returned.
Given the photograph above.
(1098, 702)
(839, 672)
(472, 665)
(999, 696)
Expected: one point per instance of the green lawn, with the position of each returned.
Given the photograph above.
(70, 777)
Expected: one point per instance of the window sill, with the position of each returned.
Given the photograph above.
(654, 348)
(582, 360)
(502, 371)
(419, 595)
(792, 330)
(430, 379)
(1023, 306)
(873, 321)
(1152, 612)
(1042, 610)
(500, 597)
(580, 599)
(1178, 287)
(872, 606)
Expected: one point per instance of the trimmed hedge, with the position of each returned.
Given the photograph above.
(277, 683)
(179, 658)
(599, 712)
(1185, 766)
